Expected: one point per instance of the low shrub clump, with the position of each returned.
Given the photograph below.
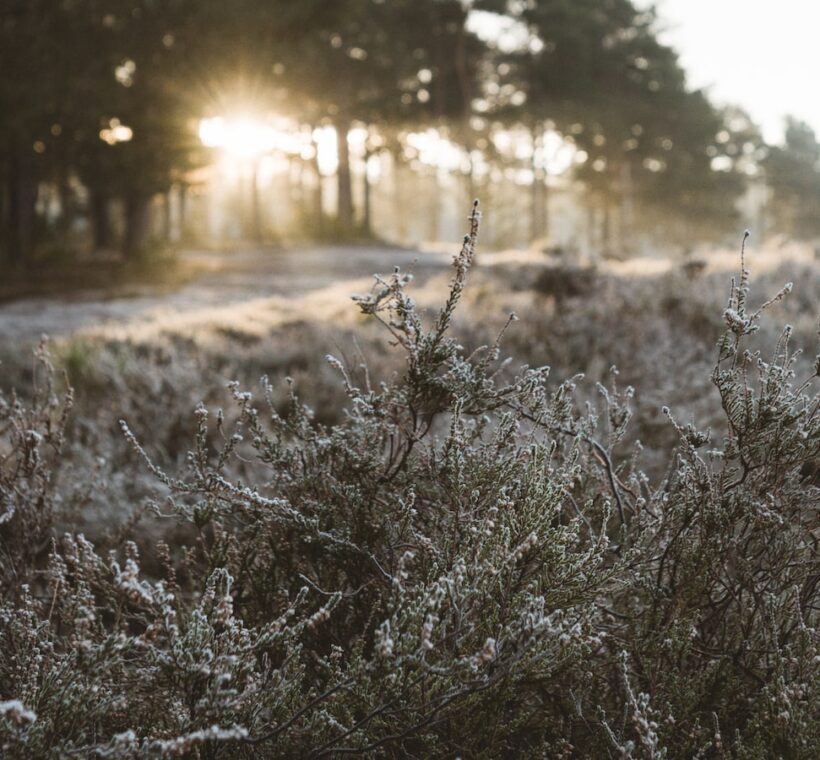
(467, 563)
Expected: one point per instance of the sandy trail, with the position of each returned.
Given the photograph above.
(228, 280)
(266, 287)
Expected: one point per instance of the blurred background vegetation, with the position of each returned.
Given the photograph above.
(129, 125)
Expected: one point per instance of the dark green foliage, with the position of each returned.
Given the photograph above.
(793, 172)
(593, 72)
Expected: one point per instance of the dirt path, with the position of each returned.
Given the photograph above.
(228, 279)
(246, 281)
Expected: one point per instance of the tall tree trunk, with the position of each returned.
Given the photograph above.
(344, 208)
(433, 211)
(22, 193)
(465, 90)
(469, 176)
(256, 208)
(367, 222)
(606, 248)
(593, 248)
(318, 195)
(295, 188)
(66, 198)
(303, 191)
(626, 210)
(137, 223)
(183, 211)
(100, 219)
(167, 216)
(462, 74)
(399, 209)
(537, 202)
(545, 206)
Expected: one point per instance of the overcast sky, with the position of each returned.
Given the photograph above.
(763, 55)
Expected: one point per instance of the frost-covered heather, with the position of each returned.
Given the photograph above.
(444, 553)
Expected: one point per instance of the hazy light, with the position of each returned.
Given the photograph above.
(435, 150)
(116, 133)
(373, 169)
(357, 139)
(654, 164)
(721, 164)
(555, 156)
(506, 33)
(559, 153)
(242, 138)
(124, 73)
(523, 176)
(327, 152)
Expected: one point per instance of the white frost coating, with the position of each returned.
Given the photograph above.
(15, 711)
(182, 744)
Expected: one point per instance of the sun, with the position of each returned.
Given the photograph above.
(241, 137)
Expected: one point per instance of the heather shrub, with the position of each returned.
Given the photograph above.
(31, 439)
(720, 612)
(658, 330)
(466, 559)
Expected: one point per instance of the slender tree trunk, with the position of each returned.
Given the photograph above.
(626, 210)
(367, 222)
(295, 188)
(606, 231)
(66, 198)
(100, 219)
(167, 216)
(183, 211)
(137, 223)
(543, 186)
(545, 207)
(399, 210)
(303, 192)
(537, 196)
(256, 208)
(319, 195)
(345, 189)
(536, 203)
(592, 242)
(425, 190)
(469, 177)
(763, 218)
(461, 70)
(464, 86)
(22, 193)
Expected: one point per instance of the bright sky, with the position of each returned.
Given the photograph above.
(760, 54)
